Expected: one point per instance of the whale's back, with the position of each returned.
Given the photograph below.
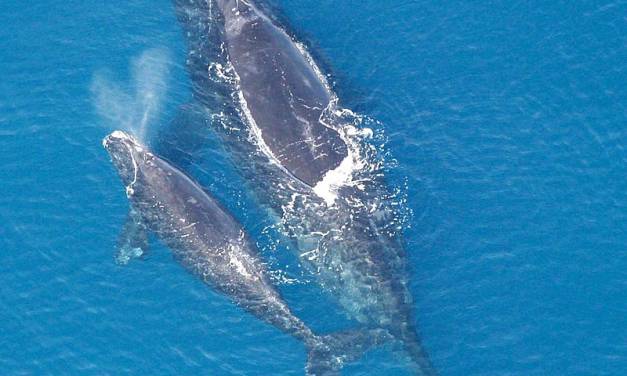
(284, 96)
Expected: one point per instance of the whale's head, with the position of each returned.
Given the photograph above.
(127, 154)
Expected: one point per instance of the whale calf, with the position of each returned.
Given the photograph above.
(305, 161)
(212, 245)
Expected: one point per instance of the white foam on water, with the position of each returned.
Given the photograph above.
(342, 175)
(333, 180)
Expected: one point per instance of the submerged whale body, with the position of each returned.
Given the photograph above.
(212, 245)
(293, 151)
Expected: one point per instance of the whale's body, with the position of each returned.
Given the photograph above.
(291, 145)
(283, 93)
(209, 242)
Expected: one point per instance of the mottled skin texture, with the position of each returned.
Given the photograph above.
(285, 97)
(203, 236)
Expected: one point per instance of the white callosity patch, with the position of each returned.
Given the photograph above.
(237, 17)
(120, 134)
(133, 147)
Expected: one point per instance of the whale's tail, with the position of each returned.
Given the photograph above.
(413, 346)
(329, 354)
(420, 357)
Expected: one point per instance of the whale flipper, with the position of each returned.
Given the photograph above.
(327, 357)
(133, 239)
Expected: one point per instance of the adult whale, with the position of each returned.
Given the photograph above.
(284, 96)
(212, 245)
(304, 159)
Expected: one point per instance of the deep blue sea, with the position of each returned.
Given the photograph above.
(508, 120)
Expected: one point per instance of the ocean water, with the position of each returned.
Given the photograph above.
(507, 121)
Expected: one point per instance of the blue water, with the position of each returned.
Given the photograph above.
(507, 120)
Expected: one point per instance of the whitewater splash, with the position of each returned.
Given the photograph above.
(134, 105)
